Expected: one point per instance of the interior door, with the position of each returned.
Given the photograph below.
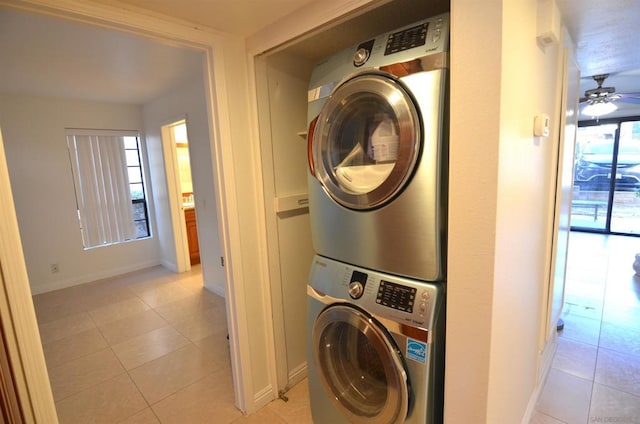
(563, 196)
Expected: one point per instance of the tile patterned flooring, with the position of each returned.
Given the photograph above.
(595, 376)
(147, 347)
(150, 347)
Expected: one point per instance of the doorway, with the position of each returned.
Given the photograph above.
(210, 150)
(179, 131)
(606, 194)
(181, 196)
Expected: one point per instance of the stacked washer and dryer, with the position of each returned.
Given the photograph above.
(377, 152)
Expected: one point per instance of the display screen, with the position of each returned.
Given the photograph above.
(396, 296)
(407, 39)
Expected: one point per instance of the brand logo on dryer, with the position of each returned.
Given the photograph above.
(416, 351)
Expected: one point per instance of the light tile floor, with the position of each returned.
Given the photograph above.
(150, 347)
(146, 347)
(595, 376)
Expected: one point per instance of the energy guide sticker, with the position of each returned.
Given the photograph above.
(416, 351)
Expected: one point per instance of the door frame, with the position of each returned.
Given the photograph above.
(178, 222)
(307, 21)
(27, 383)
(214, 46)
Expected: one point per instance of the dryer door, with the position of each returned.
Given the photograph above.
(360, 366)
(366, 141)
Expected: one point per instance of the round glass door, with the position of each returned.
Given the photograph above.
(366, 141)
(360, 366)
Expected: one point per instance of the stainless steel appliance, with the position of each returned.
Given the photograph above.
(377, 149)
(376, 346)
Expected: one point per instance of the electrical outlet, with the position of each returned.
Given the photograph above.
(55, 268)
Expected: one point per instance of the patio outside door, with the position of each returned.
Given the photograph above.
(606, 194)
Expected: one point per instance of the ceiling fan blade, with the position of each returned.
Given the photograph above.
(633, 98)
(583, 99)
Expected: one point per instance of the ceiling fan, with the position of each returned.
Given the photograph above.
(599, 100)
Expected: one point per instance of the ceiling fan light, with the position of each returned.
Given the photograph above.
(599, 108)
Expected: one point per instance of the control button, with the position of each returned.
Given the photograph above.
(425, 295)
(356, 289)
(423, 307)
(436, 35)
(361, 56)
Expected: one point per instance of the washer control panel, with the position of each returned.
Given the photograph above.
(357, 284)
(401, 299)
(396, 296)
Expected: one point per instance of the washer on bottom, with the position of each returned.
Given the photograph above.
(375, 346)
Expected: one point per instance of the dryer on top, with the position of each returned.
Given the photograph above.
(377, 152)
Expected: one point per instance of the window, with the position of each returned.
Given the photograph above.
(109, 185)
(606, 193)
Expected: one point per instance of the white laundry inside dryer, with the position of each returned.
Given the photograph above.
(384, 141)
(363, 178)
(383, 146)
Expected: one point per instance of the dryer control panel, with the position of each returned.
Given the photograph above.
(413, 43)
(407, 39)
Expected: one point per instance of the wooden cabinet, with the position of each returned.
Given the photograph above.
(192, 236)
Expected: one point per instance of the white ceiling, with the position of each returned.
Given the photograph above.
(56, 57)
(53, 57)
(606, 35)
(241, 17)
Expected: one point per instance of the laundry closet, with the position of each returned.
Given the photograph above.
(282, 82)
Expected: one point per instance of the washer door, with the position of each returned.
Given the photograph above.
(366, 141)
(360, 366)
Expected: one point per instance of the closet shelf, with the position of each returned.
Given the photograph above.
(291, 203)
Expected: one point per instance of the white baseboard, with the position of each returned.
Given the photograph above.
(216, 289)
(170, 265)
(297, 374)
(87, 278)
(264, 397)
(267, 395)
(546, 361)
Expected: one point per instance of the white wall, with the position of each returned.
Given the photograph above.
(240, 155)
(499, 211)
(531, 84)
(285, 174)
(187, 100)
(42, 184)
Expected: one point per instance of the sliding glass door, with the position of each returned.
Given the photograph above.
(606, 194)
(625, 213)
(592, 177)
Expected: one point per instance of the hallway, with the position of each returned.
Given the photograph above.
(595, 376)
(150, 347)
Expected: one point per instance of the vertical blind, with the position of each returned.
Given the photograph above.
(101, 184)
